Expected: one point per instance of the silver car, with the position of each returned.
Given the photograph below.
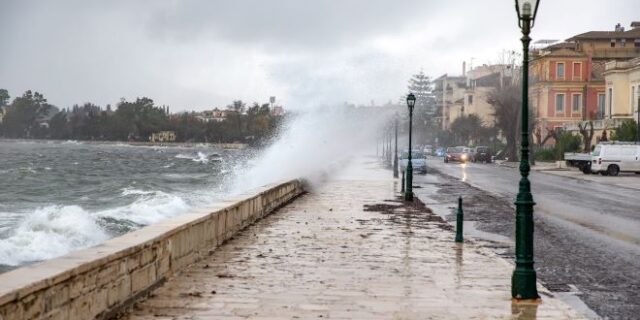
(418, 161)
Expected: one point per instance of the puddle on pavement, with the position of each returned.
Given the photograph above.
(416, 212)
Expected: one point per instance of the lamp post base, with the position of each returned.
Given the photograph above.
(408, 194)
(523, 284)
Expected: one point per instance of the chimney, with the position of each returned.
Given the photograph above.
(635, 25)
(464, 68)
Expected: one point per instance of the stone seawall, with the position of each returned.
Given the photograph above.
(99, 281)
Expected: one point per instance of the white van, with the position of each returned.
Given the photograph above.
(611, 158)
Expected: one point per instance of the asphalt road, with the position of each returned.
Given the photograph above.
(587, 237)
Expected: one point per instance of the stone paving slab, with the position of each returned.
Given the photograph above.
(325, 257)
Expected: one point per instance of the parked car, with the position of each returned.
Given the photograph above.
(418, 161)
(611, 158)
(460, 154)
(428, 150)
(481, 154)
(440, 152)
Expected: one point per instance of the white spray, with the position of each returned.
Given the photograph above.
(313, 144)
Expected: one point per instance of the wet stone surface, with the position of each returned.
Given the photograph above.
(566, 259)
(343, 252)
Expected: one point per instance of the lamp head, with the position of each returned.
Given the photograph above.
(411, 101)
(527, 10)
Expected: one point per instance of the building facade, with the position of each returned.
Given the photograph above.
(622, 80)
(481, 81)
(449, 94)
(567, 84)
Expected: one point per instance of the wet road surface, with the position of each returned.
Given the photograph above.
(587, 237)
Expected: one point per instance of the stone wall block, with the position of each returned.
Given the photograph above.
(80, 308)
(119, 291)
(13, 311)
(221, 217)
(163, 267)
(61, 313)
(142, 278)
(133, 261)
(56, 296)
(98, 301)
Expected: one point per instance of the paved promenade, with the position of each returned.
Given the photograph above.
(347, 250)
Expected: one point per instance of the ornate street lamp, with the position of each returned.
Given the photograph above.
(408, 191)
(523, 281)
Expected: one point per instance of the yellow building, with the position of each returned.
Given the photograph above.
(481, 81)
(163, 136)
(622, 80)
(449, 94)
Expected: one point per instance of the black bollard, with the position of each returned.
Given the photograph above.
(402, 190)
(459, 220)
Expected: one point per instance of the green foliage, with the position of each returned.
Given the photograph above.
(4, 97)
(545, 155)
(468, 130)
(565, 142)
(25, 114)
(424, 124)
(30, 116)
(627, 131)
(420, 86)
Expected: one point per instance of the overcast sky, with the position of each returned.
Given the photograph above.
(204, 53)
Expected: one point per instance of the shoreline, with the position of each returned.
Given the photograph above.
(237, 146)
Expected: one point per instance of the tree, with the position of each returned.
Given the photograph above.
(139, 119)
(468, 129)
(506, 102)
(420, 86)
(21, 120)
(566, 142)
(587, 134)
(4, 98)
(424, 113)
(627, 131)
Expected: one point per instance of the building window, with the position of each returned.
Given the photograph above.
(577, 71)
(633, 98)
(560, 70)
(576, 102)
(636, 43)
(601, 100)
(613, 43)
(470, 99)
(623, 42)
(560, 103)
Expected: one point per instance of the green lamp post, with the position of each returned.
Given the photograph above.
(408, 191)
(395, 152)
(523, 281)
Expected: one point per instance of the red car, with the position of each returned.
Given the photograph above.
(459, 154)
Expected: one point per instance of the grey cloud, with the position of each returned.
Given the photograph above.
(290, 23)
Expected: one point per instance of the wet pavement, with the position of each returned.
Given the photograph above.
(587, 239)
(349, 249)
